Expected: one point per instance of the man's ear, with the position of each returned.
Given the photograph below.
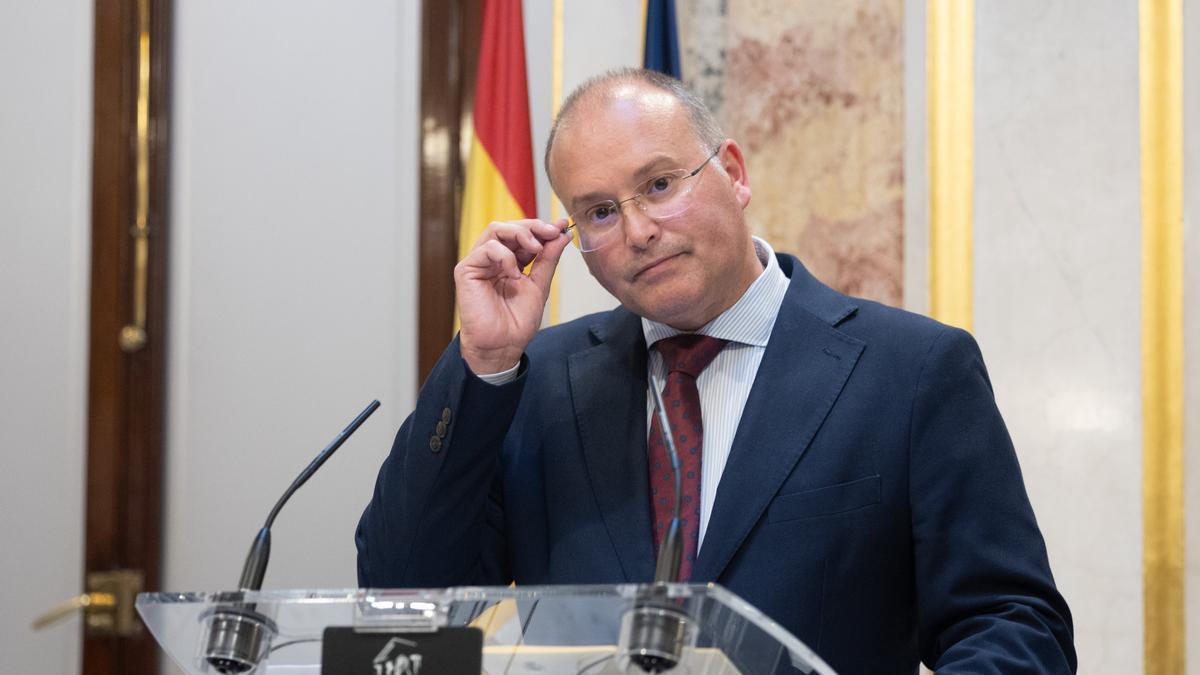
(734, 164)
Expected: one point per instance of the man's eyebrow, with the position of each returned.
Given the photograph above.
(655, 163)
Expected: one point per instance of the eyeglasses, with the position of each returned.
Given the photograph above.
(666, 195)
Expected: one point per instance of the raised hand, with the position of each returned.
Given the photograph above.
(500, 308)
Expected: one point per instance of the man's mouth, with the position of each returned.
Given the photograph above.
(651, 266)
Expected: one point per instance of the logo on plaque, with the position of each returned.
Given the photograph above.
(452, 650)
(392, 660)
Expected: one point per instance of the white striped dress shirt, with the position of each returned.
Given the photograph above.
(725, 384)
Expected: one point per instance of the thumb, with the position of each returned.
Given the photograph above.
(542, 268)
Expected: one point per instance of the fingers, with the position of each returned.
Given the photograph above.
(524, 239)
(491, 260)
(544, 265)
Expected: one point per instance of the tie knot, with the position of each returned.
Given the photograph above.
(689, 353)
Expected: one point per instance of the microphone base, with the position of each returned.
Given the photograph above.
(239, 639)
(653, 635)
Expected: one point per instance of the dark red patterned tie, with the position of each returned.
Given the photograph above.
(684, 355)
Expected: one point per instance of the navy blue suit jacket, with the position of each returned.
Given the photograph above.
(872, 503)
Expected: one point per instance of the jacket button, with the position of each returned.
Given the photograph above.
(446, 415)
(435, 444)
(441, 429)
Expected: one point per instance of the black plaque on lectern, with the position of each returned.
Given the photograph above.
(447, 651)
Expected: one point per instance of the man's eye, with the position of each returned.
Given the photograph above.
(660, 184)
(600, 215)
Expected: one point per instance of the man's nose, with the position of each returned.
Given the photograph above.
(640, 229)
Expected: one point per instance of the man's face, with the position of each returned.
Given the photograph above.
(682, 271)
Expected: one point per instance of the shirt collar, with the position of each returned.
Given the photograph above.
(751, 318)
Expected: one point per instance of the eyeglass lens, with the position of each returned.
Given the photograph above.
(660, 198)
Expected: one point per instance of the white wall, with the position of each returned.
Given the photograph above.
(539, 70)
(1057, 292)
(1191, 346)
(45, 173)
(916, 161)
(620, 22)
(293, 295)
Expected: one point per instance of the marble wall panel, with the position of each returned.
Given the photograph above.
(814, 92)
(1057, 292)
(703, 41)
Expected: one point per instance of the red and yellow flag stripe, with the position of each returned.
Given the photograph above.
(499, 181)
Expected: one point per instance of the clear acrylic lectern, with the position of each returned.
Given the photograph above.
(579, 630)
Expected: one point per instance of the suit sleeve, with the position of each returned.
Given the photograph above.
(435, 518)
(987, 602)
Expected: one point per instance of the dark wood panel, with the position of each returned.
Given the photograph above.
(449, 58)
(126, 393)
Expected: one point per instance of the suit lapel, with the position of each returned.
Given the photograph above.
(608, 392)
(806, 364)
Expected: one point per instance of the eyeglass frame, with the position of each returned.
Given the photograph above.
(572, 223)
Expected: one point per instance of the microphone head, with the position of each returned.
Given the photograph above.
(239, 639)
(255, 567)
(670, 554)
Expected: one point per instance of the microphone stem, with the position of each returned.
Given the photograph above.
(320, 459)
(670, 553)
(255, 566)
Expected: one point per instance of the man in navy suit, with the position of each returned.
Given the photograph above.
(857, 483)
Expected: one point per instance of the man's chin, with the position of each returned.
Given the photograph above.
(679, 312)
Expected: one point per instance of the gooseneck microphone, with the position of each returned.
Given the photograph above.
(256, 561)
(655, 630)
(239, 635)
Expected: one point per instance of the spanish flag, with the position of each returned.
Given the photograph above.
(499, 182)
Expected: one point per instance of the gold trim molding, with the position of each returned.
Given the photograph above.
(1160, 52)
(950, 59)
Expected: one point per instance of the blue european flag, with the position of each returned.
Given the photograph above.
(662, 38)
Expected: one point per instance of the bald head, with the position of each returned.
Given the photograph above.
(627, 83)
